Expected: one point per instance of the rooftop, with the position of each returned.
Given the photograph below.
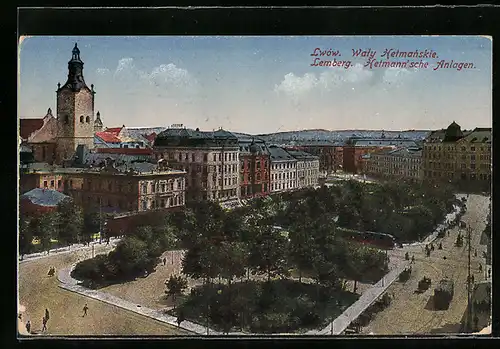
(279, 154)
(28, 126)
(44, 197)
(302, 155)
(185, 137)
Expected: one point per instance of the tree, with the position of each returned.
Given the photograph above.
(268, 252)
(25, 236)
(48, 228)
(232, 260)
(70, 222)
(175, 286)
(131, 255)
(91, 224)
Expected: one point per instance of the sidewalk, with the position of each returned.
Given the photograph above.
(68, 249)
(368, 297)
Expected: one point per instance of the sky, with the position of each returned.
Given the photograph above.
(265, 84)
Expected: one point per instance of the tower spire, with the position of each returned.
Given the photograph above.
(75, 71)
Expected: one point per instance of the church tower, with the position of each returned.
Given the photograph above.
(75, 111)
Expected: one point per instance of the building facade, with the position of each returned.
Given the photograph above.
(138, 188)
(454, 155)
(400, 162)
(210, 159)
(283, 170)
(255, 170)
(75, 111)
(307, 168)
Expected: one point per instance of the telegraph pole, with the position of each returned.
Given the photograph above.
(100, 220)
(469, 281)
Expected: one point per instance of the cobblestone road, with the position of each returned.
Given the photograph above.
(412, 313)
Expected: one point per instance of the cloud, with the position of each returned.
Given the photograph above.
(296, 85)
(102, 71)
(165, 77)
(293, 85)
(396, 76)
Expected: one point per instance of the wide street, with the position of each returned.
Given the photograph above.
(38, 291)
(411, 312)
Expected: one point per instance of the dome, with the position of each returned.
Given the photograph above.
(453, 133)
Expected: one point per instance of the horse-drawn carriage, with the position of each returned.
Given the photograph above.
(405, 274)
(443, 294)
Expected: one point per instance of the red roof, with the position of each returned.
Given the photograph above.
(115, 130)
(28, 126)
(126, 151)
(108, 137)
(151, 137)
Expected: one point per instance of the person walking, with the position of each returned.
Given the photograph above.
(85, 308)
(47, 315)
(28, 326)
(413, 259)
(44, 322)
(164, 261)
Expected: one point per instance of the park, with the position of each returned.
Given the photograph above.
(273, 266)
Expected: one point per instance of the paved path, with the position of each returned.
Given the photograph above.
(368, 297)
(37, 291)
(62, 250)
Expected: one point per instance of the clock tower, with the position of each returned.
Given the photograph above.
(75, 111)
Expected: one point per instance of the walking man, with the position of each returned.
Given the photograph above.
(47, 314)
(85, 308)
(28, 326)
(44, 322)
(164, 260)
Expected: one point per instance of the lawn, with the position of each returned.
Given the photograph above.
(281, 306)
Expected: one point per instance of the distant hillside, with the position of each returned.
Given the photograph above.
(342, 135)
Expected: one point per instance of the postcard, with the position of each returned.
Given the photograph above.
(254, 185)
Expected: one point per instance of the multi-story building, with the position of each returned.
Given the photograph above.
(211, 160)
(135, 187)
(400, 162)
(307, 168)
(255, 168)
(283, 169)
(454, 155)
(355, 148)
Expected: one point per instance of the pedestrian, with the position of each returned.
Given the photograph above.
(164, 260)
(448, 233)
(44, 322)
(85, 308)
(413, 259)
(47, 314)
(28, 326)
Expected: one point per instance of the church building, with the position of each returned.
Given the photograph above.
(55, 140)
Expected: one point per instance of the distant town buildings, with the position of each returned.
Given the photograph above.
(211, 160)
(355, 148)
(399, 162)
(458, 156)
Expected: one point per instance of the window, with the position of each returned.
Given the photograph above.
(163, 187)
(473, 157)
(59, 183)
(52, 183)
(473, 166)
(87, 119)
(205, 157)
(144, 205)
(81, 119)
(472, 149)
(66, 119)
(144, 189)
